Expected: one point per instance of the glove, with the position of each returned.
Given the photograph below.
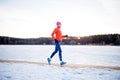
(66, 35)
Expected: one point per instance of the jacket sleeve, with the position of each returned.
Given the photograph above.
(53, 34)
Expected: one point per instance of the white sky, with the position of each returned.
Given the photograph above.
(37, 18)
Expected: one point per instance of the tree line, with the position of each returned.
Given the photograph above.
(107, 39)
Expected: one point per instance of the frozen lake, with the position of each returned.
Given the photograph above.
(89, 55)
(85, 55)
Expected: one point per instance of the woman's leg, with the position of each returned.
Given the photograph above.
(60, 51)
(56, 50)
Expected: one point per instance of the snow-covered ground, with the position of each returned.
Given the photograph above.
(85, 55)
(9, 71)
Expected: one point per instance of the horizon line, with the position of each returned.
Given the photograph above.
(50, 36)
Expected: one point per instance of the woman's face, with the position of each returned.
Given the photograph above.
(59, 25)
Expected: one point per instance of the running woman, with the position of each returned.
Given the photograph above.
(57, 37)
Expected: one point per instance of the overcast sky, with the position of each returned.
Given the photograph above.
(37, 18)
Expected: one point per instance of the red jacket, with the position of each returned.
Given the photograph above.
(57, 34)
